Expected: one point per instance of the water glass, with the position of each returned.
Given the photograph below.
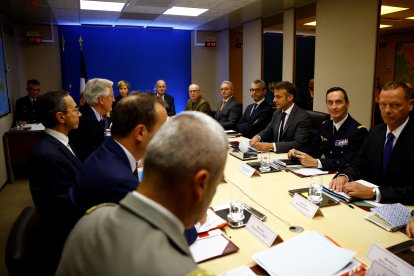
(315, 189)
(265, 162)
(236, 211)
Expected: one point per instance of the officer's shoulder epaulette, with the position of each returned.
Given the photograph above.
(93, 208)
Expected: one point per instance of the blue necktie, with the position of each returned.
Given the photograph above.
(253, 109)
(387, 151)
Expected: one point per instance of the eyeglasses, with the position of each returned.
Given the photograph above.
(255, 89)
(225, 89)
(193, 91)
(76, 109)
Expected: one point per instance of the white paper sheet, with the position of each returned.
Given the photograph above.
(310, 171)
(212, 221)
(307, 254)
(209, 247)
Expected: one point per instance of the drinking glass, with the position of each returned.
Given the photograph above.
(236, 211)
(315, 189)
(265, 162)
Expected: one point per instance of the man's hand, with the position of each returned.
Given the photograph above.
(305, 159)
(355, 189)
(262, 146)
(337, 184)
(254, 140)
(410, 228)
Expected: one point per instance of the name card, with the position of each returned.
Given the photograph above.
(247, 170)
(389, 260)
(378, 269)
(261, 231)
(305, 206)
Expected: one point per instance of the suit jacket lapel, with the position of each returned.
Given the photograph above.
(289, 120)
(65, 151)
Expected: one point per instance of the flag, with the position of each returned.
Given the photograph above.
(82, 72)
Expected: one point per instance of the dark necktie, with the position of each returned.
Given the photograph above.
(136, 173)
(335, 131)
(282, 122)
(253, 109)
(102, 122)
(387, 151)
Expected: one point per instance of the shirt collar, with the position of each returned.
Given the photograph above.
(287, 111)
(161, 209)
(225, 101)
(398, 130)
(98, 116)
(339, 124)
(131, 158)
(58, 135)
(158, 95)
(259, 102)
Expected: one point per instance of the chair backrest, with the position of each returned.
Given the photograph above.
(23, 250)
(317, 119)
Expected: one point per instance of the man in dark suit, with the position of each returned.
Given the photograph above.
(339, 139)
(99, 97)
(53, 168)
(160, 88)
(258, 114)
(229, 110)
(27, 108)
(386, 157)
(144, 234)
(196, 101)
(290, 125)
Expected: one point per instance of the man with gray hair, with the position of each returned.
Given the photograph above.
(99, 97)
(148, 224)
(229, 110)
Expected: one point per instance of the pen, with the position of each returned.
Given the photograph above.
(225, 233)
(348, 204)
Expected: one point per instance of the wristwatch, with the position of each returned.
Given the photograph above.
(374, 192)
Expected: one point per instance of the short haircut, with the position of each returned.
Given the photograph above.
(261, 82)
(184, 144)
(228, 82)
(95, 88)
(122, 83)
(288, 86)
(33, 82)
(133, 110)
(392, 85)
(333, 89)
(49, 104)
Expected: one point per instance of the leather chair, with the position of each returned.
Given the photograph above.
(317, 118)
(23, 254)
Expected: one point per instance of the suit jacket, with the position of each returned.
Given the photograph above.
(252, 123)
(201, 105)
(105, 176)
(295, 133)
(170, 104)
(26, 111)
(338, 149)
(397, 184)
(131, 239)
(89, 135)
(230, 114)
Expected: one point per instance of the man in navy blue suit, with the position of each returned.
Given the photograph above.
(258, 114)
(53, 168)
(229, 110)
(160, 88)
(99, 97)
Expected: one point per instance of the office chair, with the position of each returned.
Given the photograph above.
(24, 249)
(317, 119)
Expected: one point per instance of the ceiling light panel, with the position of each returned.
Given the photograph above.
(184, 11)
(101, 6)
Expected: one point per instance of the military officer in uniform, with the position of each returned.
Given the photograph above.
(340, 137)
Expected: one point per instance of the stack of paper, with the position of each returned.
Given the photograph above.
(213, 221)
(390, 216)
(307, 254)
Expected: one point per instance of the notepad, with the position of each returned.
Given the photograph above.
(390, 216)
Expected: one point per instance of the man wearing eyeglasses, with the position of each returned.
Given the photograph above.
(26, 107)
(258, 114)
(53, 170)
(229, 110)
(197, 102)
(386, 157)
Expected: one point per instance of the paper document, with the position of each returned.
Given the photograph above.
(209, 247)
(213, 221)
(310, 171)
(35, 126)
(307, 254)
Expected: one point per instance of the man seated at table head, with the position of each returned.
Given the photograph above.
(144, 234)
(99, 97)
(290, 125)
(385, 157)
(339, 139)
(197, 102)
(27, 108)
(229, 110)
(160, 89)
(258, 114)
(53, 169)
(108, 174)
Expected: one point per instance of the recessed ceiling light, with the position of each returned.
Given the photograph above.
(185, 11)
(390, 9)
(411, 18)
(101, 6)
(382, 26)
(313, 23)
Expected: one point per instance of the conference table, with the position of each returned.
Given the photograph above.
(268, 193)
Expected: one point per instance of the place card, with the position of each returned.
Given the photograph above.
(389, 260)
(248, 170)
(305, 206)
(261, 231)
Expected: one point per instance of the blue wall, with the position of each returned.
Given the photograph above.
(141, 56)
